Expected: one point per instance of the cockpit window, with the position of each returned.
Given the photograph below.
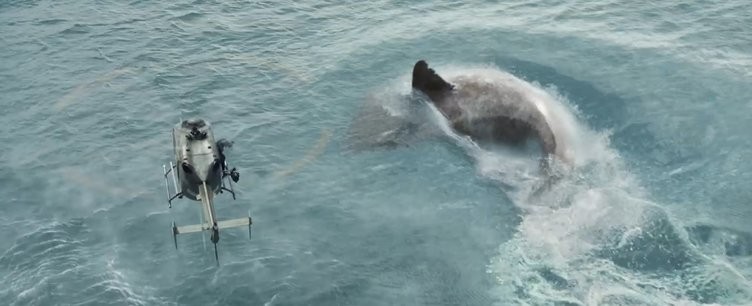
(190, 123)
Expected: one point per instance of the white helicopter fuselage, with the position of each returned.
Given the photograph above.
(199, 169)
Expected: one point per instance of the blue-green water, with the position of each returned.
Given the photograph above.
(656, 212)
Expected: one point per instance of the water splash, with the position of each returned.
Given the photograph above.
(593, 238)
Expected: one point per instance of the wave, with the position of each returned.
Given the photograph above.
(53, 263)
(593, 238)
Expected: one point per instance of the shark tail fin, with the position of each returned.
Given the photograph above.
(426, 80)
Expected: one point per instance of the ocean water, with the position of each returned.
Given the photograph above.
(655, 98)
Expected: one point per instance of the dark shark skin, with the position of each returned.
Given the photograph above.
(485, 111)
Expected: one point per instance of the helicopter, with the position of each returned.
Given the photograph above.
(198, 172)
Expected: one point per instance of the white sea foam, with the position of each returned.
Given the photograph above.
(560, 252)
